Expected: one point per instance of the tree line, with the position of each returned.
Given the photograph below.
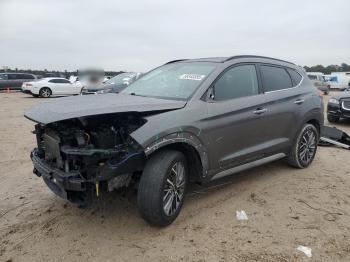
(328, 69)
(46, 72)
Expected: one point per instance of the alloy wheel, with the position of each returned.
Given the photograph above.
(174, 189)
(45, 92)
(307, 146)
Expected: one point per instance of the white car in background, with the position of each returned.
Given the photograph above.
(52, 86)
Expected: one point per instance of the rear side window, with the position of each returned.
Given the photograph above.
(239, 81)
(26, 76)
(20, 76)
(296, 77)
(12, 76)
(63, 81)
(275, 78)
(59, 81)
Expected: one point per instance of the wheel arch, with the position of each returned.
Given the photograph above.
(190, 146)
(314, 117)
(316, 123)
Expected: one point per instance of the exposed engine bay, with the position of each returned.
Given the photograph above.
(83, 156)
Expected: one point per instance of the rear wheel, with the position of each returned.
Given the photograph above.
(304, 149)
(162, 187)
(332, 119)
(45, 92)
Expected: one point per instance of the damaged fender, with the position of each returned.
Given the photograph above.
(181, 137)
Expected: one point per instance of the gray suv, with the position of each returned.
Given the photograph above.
(15, 80)
(186, 121)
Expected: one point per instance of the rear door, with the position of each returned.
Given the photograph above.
(236, 118)
(284, 99)
(13, 80)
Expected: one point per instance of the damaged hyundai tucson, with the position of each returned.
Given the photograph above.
(192, 120)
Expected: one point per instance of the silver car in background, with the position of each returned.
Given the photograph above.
(319, 80)
(15, 80)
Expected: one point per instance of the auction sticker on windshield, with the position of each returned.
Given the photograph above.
(192, 77)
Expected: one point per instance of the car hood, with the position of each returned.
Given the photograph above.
(341, 95)
(81, 106)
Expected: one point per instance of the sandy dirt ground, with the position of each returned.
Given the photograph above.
(286, 207)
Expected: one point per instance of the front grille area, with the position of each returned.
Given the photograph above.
(346, 105)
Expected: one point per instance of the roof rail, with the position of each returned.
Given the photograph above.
(256, 56)
(174, 61)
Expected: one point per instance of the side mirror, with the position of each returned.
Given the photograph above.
(211, 94)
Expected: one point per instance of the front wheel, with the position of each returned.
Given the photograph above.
(162, 187)
(304, 149)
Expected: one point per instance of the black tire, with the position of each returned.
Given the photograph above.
(153, 185)
(332, 119)
(296, 157)
(45, 92)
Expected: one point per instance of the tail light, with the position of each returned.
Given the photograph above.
(29, 85)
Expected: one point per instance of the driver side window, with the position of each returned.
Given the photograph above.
(239, 81)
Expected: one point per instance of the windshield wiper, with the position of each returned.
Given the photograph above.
(134, 94)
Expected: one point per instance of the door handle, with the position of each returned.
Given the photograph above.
(260, 111)
(299, 101)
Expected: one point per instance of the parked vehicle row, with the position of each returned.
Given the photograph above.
(186, 121)
(58, 86)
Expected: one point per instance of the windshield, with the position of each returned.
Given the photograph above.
(121, 78)
(172, 81)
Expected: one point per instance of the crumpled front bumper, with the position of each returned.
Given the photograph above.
(60, 182)
(74, 187)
